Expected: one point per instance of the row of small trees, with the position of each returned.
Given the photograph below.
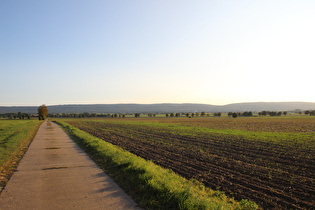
(189, 115)
(18, 115)
(84, 115)
(261, 114)
(272, 113)
(311, 113)
(43, 113)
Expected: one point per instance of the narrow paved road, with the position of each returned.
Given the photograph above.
(56, 174)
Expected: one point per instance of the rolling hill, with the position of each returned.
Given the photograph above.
(164, 108)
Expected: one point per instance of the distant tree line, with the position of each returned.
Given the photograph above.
(272, 113)
(42, 113)
(21, 115)
(240, 114)
(18, 115)
(261, 114)
(85, 115)
(310, 112)
(170, 115)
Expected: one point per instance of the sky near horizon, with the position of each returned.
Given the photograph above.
(160, 51)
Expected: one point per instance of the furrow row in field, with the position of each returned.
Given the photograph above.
(216, 176)
(241, 147)
(231, 148)
(230, 177)
(238, 166)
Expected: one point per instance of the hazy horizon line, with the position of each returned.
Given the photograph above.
(70, 104)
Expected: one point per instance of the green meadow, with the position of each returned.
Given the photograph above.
(15, 135)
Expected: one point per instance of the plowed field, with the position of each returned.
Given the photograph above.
(274, 167)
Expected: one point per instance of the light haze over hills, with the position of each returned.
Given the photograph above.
(164, 107)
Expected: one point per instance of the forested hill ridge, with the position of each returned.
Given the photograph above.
(164, 108)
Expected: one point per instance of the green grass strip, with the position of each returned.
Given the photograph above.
(150, 185)
(15, 136)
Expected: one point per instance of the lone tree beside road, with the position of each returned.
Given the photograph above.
(42, 112)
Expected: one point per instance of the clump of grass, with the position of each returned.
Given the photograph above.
(150, 185)
(15, 136)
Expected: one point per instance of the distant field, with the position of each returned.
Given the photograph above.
(268, 160)
(14, 137)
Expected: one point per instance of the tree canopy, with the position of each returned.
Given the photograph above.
(42, 112)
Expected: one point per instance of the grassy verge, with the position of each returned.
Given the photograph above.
(15, 136)
(151, 186)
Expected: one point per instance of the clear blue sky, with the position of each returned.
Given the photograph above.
(159, 51)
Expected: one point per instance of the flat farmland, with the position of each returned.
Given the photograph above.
(268, 160)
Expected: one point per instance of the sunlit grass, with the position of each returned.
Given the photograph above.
(15, 135)
(152, 186)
